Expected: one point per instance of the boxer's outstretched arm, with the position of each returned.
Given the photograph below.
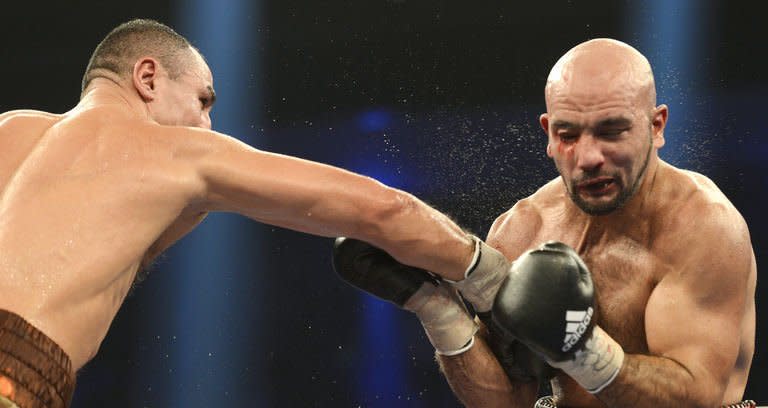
(694, 321)
(324, 200)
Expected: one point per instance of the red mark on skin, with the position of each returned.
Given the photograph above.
(563, 148)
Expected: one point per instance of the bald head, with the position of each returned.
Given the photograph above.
(124, 45)
(603, 65)
(602, 123)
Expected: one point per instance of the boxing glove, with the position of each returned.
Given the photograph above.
(518, 361)
(548, 303)
(438, 307)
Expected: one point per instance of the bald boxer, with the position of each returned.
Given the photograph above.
(88, 197)
(647, 300)
(671, 258)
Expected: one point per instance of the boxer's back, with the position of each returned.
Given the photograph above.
(84, 195)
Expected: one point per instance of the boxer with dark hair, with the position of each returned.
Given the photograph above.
(89, 197)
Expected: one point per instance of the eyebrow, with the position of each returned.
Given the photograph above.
(211, 94)
(563, 124)
(613, 122)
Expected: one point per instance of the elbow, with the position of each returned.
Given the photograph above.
(706, 402)
(707, 396)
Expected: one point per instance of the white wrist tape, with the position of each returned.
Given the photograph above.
(475, 256)
(446, 321)
(459, 351)
(596, 364)
(484, 276)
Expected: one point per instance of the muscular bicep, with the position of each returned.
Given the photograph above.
(695, 313)
(322, 200)
(514, 232)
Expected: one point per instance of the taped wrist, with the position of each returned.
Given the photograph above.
(483, 277)
(448, 324)
(596, 364)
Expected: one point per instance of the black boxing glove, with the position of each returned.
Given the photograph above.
(547, 302)
(438, 306)
(518, 361)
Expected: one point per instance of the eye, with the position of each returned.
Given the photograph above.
(203, 102)
(613, 133)
(567, 137)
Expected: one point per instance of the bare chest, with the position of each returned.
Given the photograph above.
(624, 274)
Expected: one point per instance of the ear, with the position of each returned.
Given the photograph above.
(144, 75)
(544, 122)
(658, 122)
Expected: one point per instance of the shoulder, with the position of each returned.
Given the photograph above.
(701, 231)
(702, 211)
(195, 143)
(514, 230)
(24, 116)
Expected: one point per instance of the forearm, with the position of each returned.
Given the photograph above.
(324, 200)
(649, 381)
(417, 234)
(478, 380)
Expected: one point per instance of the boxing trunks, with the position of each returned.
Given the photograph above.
(34, 371)
(548, 402)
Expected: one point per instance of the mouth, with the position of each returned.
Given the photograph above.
(597, 186)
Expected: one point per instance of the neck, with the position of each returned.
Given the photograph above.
(105, 92)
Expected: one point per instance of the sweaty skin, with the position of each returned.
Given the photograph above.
(672, 262)
(89, 196)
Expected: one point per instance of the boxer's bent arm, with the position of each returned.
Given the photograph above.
(693, 320)
(476, 376)
(324, 200)
(478, 380)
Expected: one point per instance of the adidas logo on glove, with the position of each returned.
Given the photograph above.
(577, 322)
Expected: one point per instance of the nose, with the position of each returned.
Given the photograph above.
(589, 153)
(206, 120)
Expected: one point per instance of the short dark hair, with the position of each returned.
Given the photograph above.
(119, 50)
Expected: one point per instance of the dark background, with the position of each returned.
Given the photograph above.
(438, 98)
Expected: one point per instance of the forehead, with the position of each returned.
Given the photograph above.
(197, 69)
(584, 100)
(597, 80)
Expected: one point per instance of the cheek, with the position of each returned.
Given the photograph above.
(562, 152)
(627, 158)
(191, 109)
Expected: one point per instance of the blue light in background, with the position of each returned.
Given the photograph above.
(375, 120)
(383, 369)
(380, 157)
(671, 34)
(382, 372)
(215, 324)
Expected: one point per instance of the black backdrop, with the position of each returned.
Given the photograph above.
(439, 99)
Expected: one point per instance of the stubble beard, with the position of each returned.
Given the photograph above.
(621, 199)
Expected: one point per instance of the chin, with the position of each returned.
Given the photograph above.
(597, 207)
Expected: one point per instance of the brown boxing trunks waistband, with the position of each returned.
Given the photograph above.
(34, 371)
(548, 402)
